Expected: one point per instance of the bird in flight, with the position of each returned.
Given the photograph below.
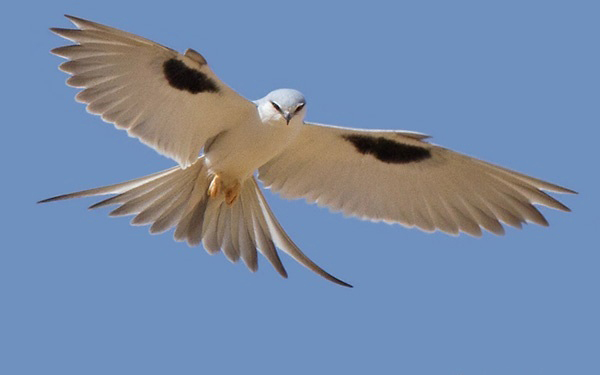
(175, 104)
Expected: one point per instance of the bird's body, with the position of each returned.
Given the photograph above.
(237, 153)
(175, 104)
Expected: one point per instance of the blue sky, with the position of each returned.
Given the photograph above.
(515, 83)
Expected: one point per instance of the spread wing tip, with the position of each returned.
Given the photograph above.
(563, 190)
(62, 32)
(74, 19)
(58, 198)
(81, 22)
(339, 282)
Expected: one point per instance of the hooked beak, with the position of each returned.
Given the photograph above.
(287, 116)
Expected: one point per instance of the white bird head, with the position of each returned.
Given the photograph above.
(283, 104)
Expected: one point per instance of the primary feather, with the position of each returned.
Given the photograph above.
(175, 104)
(397, 177)
(151, 91)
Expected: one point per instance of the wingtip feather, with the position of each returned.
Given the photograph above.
(79, 22)
(557, 188)
(57, 198)
(340, 282)
(73, 18)
(58, 30)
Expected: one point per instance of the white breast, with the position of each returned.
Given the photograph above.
(237, 153)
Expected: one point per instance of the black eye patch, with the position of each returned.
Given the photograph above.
(299, 108)
(276, 106)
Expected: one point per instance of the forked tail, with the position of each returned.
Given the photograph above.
(178, 198)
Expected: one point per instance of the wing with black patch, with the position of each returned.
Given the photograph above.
(172, 102)
(398, 177)
(387, 150)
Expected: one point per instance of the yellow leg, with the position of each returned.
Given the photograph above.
(215, 186)
(232, 193)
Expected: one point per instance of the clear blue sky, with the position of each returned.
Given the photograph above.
(515, 83)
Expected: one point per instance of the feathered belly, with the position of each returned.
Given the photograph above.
(236, 154)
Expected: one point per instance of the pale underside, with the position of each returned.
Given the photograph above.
(175, 104)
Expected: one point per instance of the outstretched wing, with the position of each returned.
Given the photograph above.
(397, 177)
(173, 103)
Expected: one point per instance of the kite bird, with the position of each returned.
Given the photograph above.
(175, 104)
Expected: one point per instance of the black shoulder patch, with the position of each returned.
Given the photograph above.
(181, 77)
(386, 150)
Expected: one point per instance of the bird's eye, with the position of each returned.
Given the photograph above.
(299, 108)
(277, 107)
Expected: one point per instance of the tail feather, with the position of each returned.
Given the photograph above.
(256, 222)
(284, 242)
(171, 216)
(111, 189)
(151, 213)
(143, 193)
(225, 223)
(178, 198)
(246, 241)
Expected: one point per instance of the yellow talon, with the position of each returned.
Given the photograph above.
(232, 193)
(215, 186)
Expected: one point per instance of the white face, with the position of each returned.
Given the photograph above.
(288, 113)
(284, 106)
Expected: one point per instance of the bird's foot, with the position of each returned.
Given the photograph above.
(232, 192)
(215, 186)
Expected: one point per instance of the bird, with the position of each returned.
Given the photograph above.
(223, 144)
